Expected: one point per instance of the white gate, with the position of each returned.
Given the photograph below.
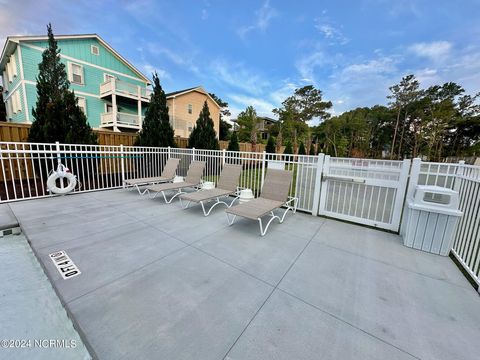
(369, 192)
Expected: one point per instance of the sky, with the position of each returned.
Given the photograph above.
(257, 52)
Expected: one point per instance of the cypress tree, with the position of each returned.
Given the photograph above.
(312, 150)
(301, 149)
(203, 135)
(288, 148)
(57, 114)
(233, 143)
(270, 148)
(156, 128)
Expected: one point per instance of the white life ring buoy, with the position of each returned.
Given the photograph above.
(61, 172)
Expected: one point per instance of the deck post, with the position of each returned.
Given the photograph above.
(224, 155)
(193, 154)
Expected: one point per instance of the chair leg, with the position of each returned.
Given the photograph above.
(272, 217)
(179, 192)
(230, 222)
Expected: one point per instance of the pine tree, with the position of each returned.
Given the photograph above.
(156, 128)
(203, 135)
(270, 148)
(233, 144)
(57, 114)
(301, 149)
(312, 149)
(288, 148)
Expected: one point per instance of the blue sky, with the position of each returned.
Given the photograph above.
(257, 52)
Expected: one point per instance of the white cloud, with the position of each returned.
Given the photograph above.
(382, 65)
(331, 33)
(263, 107)
(237, 76)
(149, 69)
(436, 50)
(263, 16)
(185, 61)
(307, 65)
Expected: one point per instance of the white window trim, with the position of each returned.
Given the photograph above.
(19, 101)
(84, 99)
(95, 47)
(14, 103)
(5, 80)
(70, 73)
(9, 72)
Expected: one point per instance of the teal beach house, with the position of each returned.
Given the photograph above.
(111, 91)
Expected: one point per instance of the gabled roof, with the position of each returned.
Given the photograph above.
(12, 41)
(174, 94)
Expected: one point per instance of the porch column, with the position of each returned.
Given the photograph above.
(139, 106)
(114, 111)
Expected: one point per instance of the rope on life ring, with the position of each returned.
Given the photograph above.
(61, 172)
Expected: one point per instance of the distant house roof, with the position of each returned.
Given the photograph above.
(265, 118)
(12, 41)
(174, 94)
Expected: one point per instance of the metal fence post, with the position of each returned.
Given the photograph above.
(323, 188)
(122, 163)
(59, 156)
(224, 155)
(412, 184)
(169, 150)
(318, 184)
(460, 172)
(414, 177)
(264, 163)
(193, 154)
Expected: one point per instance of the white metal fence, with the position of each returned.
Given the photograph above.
(364, 191)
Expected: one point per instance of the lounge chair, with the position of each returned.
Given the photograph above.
(274, 195)
(227, 185)
(168, 173)
(192, 180)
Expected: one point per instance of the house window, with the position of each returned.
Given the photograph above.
(190, 127)
(108, 108)
(76, 74)
(82, 104)
(94, 50)
(190, 108)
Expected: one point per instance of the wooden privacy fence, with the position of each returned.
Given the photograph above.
(11, 132)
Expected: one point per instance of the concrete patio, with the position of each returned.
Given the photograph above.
(161, 282)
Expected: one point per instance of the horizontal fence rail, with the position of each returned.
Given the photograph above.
(365, 191)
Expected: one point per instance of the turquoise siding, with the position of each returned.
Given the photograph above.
(80, 50)
(31, 98)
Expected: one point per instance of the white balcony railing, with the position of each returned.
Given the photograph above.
(122, 119)
(118, 87)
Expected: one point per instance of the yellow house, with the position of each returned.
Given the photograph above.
(184, 107)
